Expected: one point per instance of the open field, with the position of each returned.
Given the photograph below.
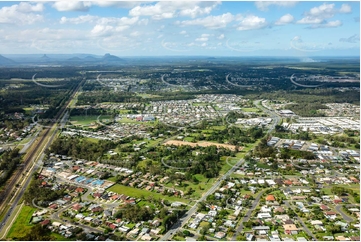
(83, 120)
(22, 224)
(89, 119)
(134, 121)
(250, 110)
(202, 144)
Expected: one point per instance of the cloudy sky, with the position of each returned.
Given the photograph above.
(232, 28)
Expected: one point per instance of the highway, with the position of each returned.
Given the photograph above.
(31, 164)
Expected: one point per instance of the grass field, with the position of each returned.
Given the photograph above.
(21, 225)
(28, 111)
(89, 119)
(199, 104)
(204, 184)
(134, 121)
(138, 193)
(250, 110)
(83, 120)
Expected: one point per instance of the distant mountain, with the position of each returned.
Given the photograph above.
(111, 58)
(45, 58)
(5, 61)
(90, 58)
(74, 59)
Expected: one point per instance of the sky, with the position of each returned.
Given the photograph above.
(181, 28)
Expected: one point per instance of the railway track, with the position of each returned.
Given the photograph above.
(36, 150)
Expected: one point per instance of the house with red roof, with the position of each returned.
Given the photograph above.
(45, 223)
(76, 207)
(79, 190)
(53, 206)
(270, 198)
(324, 207)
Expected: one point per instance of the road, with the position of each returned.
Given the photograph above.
(55, 217)
(182, 221)
(248, 215)
(32, 164)
(192, 210)
(344, 216)
(275, 117)
(302, 223)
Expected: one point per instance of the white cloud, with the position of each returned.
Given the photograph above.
(221, 36)
(202, 39)
(352, 39)
(310, 20)
(211, 22)
(84, 6)
(79, 20)
(143, 21)
(22, 13)
(318, 15)
(204, 44)
(345, 8)
(120, 4)
(331, 24)
(198, 10)
(285, 19)
(323, 11)
(27, 7)
(102, 30)
(110, 26)
(135, 34)
(63, 6)
(252, 22)
(183, 32)
(166, 10)
(263, 5)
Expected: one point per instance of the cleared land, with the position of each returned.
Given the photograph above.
(201, 143)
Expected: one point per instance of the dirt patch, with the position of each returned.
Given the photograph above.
(201, 143)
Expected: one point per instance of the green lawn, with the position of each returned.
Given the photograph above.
(28, 111)
(84, 119)
(58, 237)
(199, 104)
(134, 121)
(199, 188)
(22, 224)
(250, 110)
(138, 193)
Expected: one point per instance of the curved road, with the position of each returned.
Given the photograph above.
(344, 216)
(275, 117)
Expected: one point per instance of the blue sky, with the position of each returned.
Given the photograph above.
(217, 28)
